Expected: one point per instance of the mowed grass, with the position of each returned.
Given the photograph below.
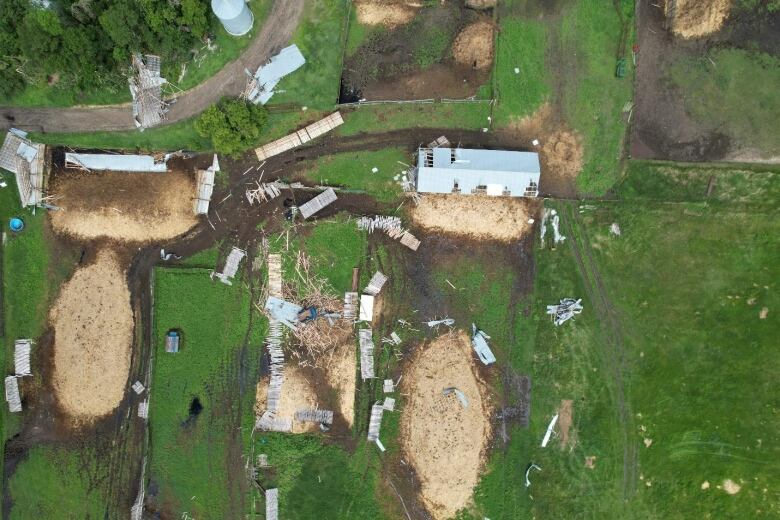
(189, 454)
(57, 483)
(320, 37)
(735, 93)
(353, 170)
(520, 45)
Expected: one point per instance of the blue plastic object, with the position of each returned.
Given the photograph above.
(16, 224)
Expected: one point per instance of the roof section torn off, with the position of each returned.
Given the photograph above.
(261, 86)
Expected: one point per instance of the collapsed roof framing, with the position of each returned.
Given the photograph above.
(375, 284)
(318, 203)
(375, 422)
(315, 416)
(149, 108)
(204, 187)
(366, 354)
(26, 160)
(261, 85)
(12, 396)
(231, 266)
(22, 357)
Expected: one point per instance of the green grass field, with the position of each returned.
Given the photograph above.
(737, 95)
(190, 454)
(354, 171)
(58, 483)
(320, 36)
(521, 45)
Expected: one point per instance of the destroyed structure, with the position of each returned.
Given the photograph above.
(146, 88)
(299, 137)
(117, 162)
(261, 85)
(231, 266)
(469, 172)
(318, 203)
(27, 161)
(564, 311)
(204, 187)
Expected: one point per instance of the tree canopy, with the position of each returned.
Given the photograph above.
(88, 42)
(233, 125)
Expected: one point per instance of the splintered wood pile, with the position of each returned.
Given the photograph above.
(392, 227)
(263, 192)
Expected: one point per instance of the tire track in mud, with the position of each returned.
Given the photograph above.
(597, 293)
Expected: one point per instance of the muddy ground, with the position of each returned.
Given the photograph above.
(661, 128)
(118, 440)
(394, 64)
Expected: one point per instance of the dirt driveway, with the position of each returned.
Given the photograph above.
(229, 81)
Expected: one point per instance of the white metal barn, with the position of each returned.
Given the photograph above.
(490, 172)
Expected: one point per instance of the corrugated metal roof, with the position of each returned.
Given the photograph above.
(498, 170)
(118, 163)
(268, 76)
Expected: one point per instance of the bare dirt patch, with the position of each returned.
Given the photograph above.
(297, 393)
(561, 151)
(501, 218)
(697, 18)
(565, 422)
(444, 441)
(473, 47)
(130, 207)
(93, 335)
(341, 376)
(389, 13)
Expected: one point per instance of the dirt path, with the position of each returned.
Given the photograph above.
(597, 294)
(229, 81)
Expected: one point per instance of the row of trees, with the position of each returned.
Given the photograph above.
(88, 42)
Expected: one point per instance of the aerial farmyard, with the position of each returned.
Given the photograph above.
(390, 259)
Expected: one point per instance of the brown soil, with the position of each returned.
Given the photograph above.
(390, 13)
(341, 376)
(130, 207)
(440, 80)
(93, 335)
(697, 18)
(501, 218)
(564, 422)
(473, 47)
(444, 441)
(560, 149)
(297, 394)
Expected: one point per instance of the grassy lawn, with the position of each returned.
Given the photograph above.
(190, 452)
(521, 45)
(687, 281)
(320, 36)
(176, 136)
(57, 483)
(737, 96)
(594, 97)
(383, 118)
(353, 170)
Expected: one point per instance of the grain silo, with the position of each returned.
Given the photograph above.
(234, 15)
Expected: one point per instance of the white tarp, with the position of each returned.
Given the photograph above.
(115, 162)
